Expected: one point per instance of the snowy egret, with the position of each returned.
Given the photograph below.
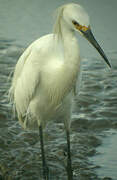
(46, 74)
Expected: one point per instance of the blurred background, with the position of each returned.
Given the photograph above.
(94, 120)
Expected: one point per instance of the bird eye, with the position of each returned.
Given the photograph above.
(75, 22)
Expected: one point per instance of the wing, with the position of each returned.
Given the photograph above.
(25, 81)
(18, 69)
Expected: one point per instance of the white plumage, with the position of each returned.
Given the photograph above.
(46, 75)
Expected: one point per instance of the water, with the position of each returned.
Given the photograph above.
(94, 122)
(106, 155)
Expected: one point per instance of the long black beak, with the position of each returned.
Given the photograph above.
(90, 37)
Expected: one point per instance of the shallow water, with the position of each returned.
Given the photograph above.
(94, 120)
(94, 116)
(106, 155)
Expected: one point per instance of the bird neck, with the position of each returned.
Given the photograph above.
(70, 46)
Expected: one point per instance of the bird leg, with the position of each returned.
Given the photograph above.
(69, 164)
(45, 167)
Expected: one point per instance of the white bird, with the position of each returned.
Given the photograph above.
(46, 75)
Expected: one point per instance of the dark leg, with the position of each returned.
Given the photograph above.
(69, 164)
(45, 168)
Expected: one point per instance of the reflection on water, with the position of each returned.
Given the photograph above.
(94, 120)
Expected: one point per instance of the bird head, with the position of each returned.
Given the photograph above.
(78, 20)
